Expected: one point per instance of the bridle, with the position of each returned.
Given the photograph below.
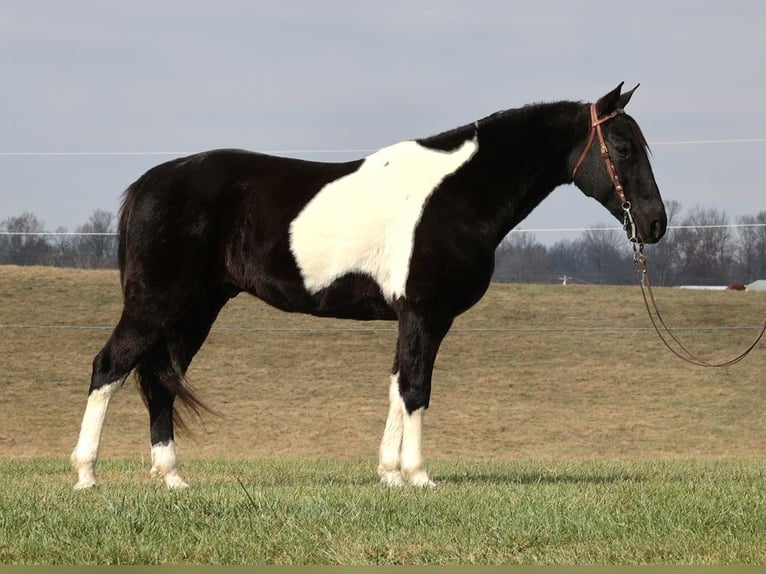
(639, 258)
(595, 130)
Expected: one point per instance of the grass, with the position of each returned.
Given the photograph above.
(331, 512)
(569, 377)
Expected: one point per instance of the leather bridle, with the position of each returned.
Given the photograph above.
(595, 130)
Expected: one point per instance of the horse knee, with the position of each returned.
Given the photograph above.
(416, 397)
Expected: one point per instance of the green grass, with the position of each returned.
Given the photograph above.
(329, 512)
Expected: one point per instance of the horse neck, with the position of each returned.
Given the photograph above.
(522, 156)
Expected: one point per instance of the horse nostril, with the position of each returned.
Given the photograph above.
(657, 229)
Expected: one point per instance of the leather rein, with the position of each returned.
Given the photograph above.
(639, 258)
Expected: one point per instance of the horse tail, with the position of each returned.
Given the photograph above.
(153, 372)
(164, 365)
(128, 198)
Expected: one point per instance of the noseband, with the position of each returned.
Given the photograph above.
(595, 130)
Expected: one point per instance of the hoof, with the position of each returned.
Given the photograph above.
(171, 479)
(85, 485)
(391, 478)
(420, 479)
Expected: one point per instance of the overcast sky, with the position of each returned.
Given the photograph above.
(307, 77)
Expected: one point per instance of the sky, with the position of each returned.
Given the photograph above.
(111, 89)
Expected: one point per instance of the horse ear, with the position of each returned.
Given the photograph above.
(625, 98)
(610, 102)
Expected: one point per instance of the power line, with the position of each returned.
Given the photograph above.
(118, 153)
(167, 153)
(392, 329)
(704, 142)
(524, 230)
(60, 233)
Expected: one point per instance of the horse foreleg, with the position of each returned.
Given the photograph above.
(401, 453)
(389, 467)
(413, 465)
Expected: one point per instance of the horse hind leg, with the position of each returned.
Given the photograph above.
(162, 379)
(111, 367)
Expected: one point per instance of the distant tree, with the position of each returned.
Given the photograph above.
(520, 258)
(705, 247)
(97, 247)
(24, 245)
(663, 257)
(606, 255)
(566, 262)
(63, 248)
(751, 248)
(598, 256)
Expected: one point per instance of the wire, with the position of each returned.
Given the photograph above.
(319, 151)
(531, 230)
(392, 329)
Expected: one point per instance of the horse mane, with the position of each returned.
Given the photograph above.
(639, 134)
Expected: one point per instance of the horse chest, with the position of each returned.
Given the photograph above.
(365, 222)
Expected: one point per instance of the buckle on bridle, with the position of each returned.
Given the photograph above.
(629, 226)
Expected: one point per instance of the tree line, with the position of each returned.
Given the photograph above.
(92, 245)
(698, 250)
(702, 248)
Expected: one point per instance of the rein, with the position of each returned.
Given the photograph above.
(639, 259)
(642, 272)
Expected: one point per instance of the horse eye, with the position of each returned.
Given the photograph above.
(622, 150)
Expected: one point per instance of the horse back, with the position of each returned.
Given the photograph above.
(221, 216)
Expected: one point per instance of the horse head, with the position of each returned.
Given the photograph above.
(613, 167)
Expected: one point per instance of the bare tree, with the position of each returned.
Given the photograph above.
(23, 245)
(97, 247)
(664, 257)
(520, 258)
(705, 247)
(607, 255)
(751, 249)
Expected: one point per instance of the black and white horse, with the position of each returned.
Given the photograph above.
(406, 234)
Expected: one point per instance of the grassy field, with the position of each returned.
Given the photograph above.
(330, 512)
(548, 403)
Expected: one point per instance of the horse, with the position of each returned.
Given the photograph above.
(406, 234)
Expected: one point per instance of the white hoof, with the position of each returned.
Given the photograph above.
(86, 484)
(175, 482)
(86, 473)
(420, 478)
(171, 479)
(391, 478)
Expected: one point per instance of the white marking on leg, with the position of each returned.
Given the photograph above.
(85, 454)
(365, 221)
(391, 444)
(165, 465)
(413, 469)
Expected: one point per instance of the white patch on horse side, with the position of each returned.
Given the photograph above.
(85, 453)
(365, 221)
(165, 465)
